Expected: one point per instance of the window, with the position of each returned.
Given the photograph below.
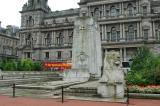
(108, 36)
(27, 54)
(70, 54)
(113, 34)
(107, 12)
(101, 36)
(71, 38)
(118, 35)
(130, 35)
(30, 21)
(59, 39)
(47, 55)
(28, 39)
(113, 11)
(144, 10)
(130, 10)
(96, 12)
(59, 55)
(92, 14)
(47, 39)
(145, 32)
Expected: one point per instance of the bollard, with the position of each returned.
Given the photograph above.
(62, 95)
(2, 77)
(14, 86)
(127, 96)
(23, 76)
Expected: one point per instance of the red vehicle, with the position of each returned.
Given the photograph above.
(56, 65)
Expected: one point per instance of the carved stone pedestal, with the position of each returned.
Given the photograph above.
(111, 90)
(76, 75)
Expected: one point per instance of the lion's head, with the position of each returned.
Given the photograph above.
(112, 60)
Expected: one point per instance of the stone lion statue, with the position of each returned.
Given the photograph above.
(111, 84)
(112, 60)
(112, 67)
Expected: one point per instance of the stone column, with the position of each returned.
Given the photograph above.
(104, 10)
(125, 54)
(121, 54)
(105, 33)
(141, 31)
(123, 35)
(122, 9)
(138, 30)
(52, 36)
(67, 37)
(150, 36)
(54, 42)
(121, 31)
(154, 30)
(102, 32)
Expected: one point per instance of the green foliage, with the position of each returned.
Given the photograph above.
(26, 64)
(136, 79)
(145, 68)
(22, 65)
(37, 66)
(8, 65)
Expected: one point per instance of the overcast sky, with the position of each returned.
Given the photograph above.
(9, 9)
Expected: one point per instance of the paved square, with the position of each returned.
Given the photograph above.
(21, 101)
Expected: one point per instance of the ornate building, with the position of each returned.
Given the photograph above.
(8, 42)
(124, 25)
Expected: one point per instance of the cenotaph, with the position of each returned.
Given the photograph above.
(86, 50)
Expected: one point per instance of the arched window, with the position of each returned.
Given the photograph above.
(113, 34)
(71, 38)
(130, 33)
(96, 12)
(59, 39)
(30, 21)
(47, 39)
(146, 33)
(28, 39)
(130, 10)
(113, 11)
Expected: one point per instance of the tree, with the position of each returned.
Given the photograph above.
(145, 68)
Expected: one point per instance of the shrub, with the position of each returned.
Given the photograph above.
(8, 65)
(26, 65)
(37, 66)
(145, 68)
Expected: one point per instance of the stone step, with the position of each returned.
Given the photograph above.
(22, 76)
(9, 82)
(81, 91)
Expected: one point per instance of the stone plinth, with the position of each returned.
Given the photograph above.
(76, 75)
(111, 90)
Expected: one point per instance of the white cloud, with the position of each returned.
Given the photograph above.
(9, 9)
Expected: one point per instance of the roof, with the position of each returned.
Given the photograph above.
(69, 12)
(155, 3)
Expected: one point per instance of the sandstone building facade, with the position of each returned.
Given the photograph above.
(124, 26)
(8, 42)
